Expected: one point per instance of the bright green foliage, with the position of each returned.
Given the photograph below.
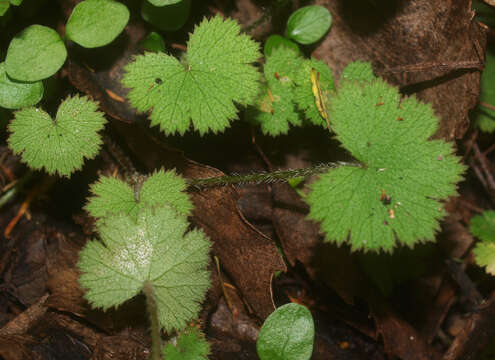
(308, 24)
(95, 23)
(358, 71)
(16, 2)
(191, 345)
(485, 117)
(111, 195)
(215, 73)
(304, 96)
(287, 334)
(275, 41)
(153, 42)
(396, 195)
(163, 2)
(35, 54)
(60, 145)
(276, 108)
(4, 6)
(167, 18)
(155, 250)
(483, 227)
(14, 94)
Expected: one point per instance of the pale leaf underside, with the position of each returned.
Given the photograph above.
(156, 250)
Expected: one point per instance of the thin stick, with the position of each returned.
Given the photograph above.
(156, 339)
(266, 177)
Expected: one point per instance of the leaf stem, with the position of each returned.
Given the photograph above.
(266, 177)
(156, 339)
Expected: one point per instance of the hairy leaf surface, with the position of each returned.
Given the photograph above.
(155, 250)
(60, 145)
(277, 108)
(191, 345)
(111, 195)
(396, 195)
(216, 73)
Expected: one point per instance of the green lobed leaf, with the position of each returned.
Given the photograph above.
(483, 227)
(191, 345)
(113, 196)
(396, 196)
(215, 73)
(60, 145)
(276, 108)
(153, 42)
(485, 117)
(14, 94)
(287, 334)
(308, 24)
(16, 2)
(166, 18)
(95, 23)
(164, 2)
(358, 71)
(156, 250)
(275, 41)
(303, 95)
(35, 53)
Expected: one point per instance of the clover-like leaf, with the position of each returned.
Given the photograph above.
(304, 95)
(277, 108)
(287, 334)
(111, 195)
(216, 72)
(154, 250)
(95, 23)
(395, 196)
(60, 145)
(483, 227)
(15, 94)
(35, 54)
(191, 345)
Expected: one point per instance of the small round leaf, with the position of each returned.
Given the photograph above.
(95, 23)
(287, 334)
(308, 24)
(167, 18)
(14, 94)
(274, 41)
(164, 2)
(153, 42)
(35, 54)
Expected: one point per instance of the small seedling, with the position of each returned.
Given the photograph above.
(287, 334)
